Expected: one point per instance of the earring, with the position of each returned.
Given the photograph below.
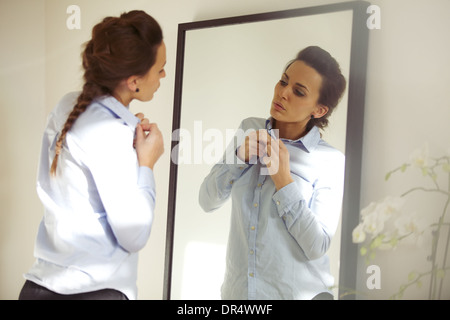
(312, 116)
(137, 89)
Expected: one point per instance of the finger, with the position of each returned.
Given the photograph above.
(261, 148)
(262, 136)
(140, 115)
(280, 144)
(149, 126)
(267, 161)
(264, 142)
(145, 121)
(140, 135)
(252, 138)
(273, 149)
(251, 142)
(269, 144)
(153, 130)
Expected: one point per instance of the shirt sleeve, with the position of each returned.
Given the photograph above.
(127, 191)
(216, 187)
(311, 213)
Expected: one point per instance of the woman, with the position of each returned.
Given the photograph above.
(95, 177)
(286, 186)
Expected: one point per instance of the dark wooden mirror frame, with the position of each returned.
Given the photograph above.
(354, 133)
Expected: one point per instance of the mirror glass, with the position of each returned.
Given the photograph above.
(228, 74)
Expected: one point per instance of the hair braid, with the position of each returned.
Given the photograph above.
(89, 93)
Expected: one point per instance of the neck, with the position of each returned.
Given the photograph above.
(290, 130)
(122, 96)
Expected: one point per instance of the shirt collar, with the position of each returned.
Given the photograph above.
(309, 141)
(119, 110)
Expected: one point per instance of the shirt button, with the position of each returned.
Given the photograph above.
(252, 252)
(252, 227)
(231, 182)
(255, 205)
(278, 203)
(259, 185)
(251, 274)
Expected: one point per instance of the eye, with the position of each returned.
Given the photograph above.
(283, 83)
(299, 93)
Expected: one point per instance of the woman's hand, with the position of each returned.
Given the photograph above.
(252, 148)
(272, 152)
(142, 117)
(149, 144)
(277, 162)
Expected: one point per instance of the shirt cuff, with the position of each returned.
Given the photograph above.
(285, 199)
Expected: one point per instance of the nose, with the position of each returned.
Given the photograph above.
(283, 92)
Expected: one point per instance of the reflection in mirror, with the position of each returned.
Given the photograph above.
(229, 74)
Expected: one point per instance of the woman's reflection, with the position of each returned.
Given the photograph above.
(286, 185)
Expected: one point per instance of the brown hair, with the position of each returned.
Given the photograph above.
(333, 82)
(120, 47)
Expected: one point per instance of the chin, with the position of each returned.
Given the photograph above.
(147, 99)
(276, 115)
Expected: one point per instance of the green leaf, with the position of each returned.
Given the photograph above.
(363, 251)
(403, 168)
(393, 242)
(388, 175)
(377, 242)
(412, 276)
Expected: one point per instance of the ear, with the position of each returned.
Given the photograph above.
(132, 83)
(320, 111)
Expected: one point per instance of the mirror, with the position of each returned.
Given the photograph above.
(226, 71)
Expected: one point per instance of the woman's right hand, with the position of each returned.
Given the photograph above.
(255, 146)
(149, 146)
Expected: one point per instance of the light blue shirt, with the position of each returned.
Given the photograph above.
(98, 209)
(278, 239)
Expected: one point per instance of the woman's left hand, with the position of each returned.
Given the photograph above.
(277, 162)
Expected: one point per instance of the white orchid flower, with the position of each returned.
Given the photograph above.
(358, 234)
(419, 158)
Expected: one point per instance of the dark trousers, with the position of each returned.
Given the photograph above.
(33, 291)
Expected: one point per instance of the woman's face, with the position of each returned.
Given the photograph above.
(296, 95)
(150, 82)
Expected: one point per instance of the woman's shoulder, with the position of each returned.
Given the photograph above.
(58, 115)
(65, 106)
(330, 150)
(100, 122)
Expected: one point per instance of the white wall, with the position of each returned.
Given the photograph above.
(22, 113)
(407, 105)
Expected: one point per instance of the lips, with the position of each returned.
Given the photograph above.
(278, 106)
